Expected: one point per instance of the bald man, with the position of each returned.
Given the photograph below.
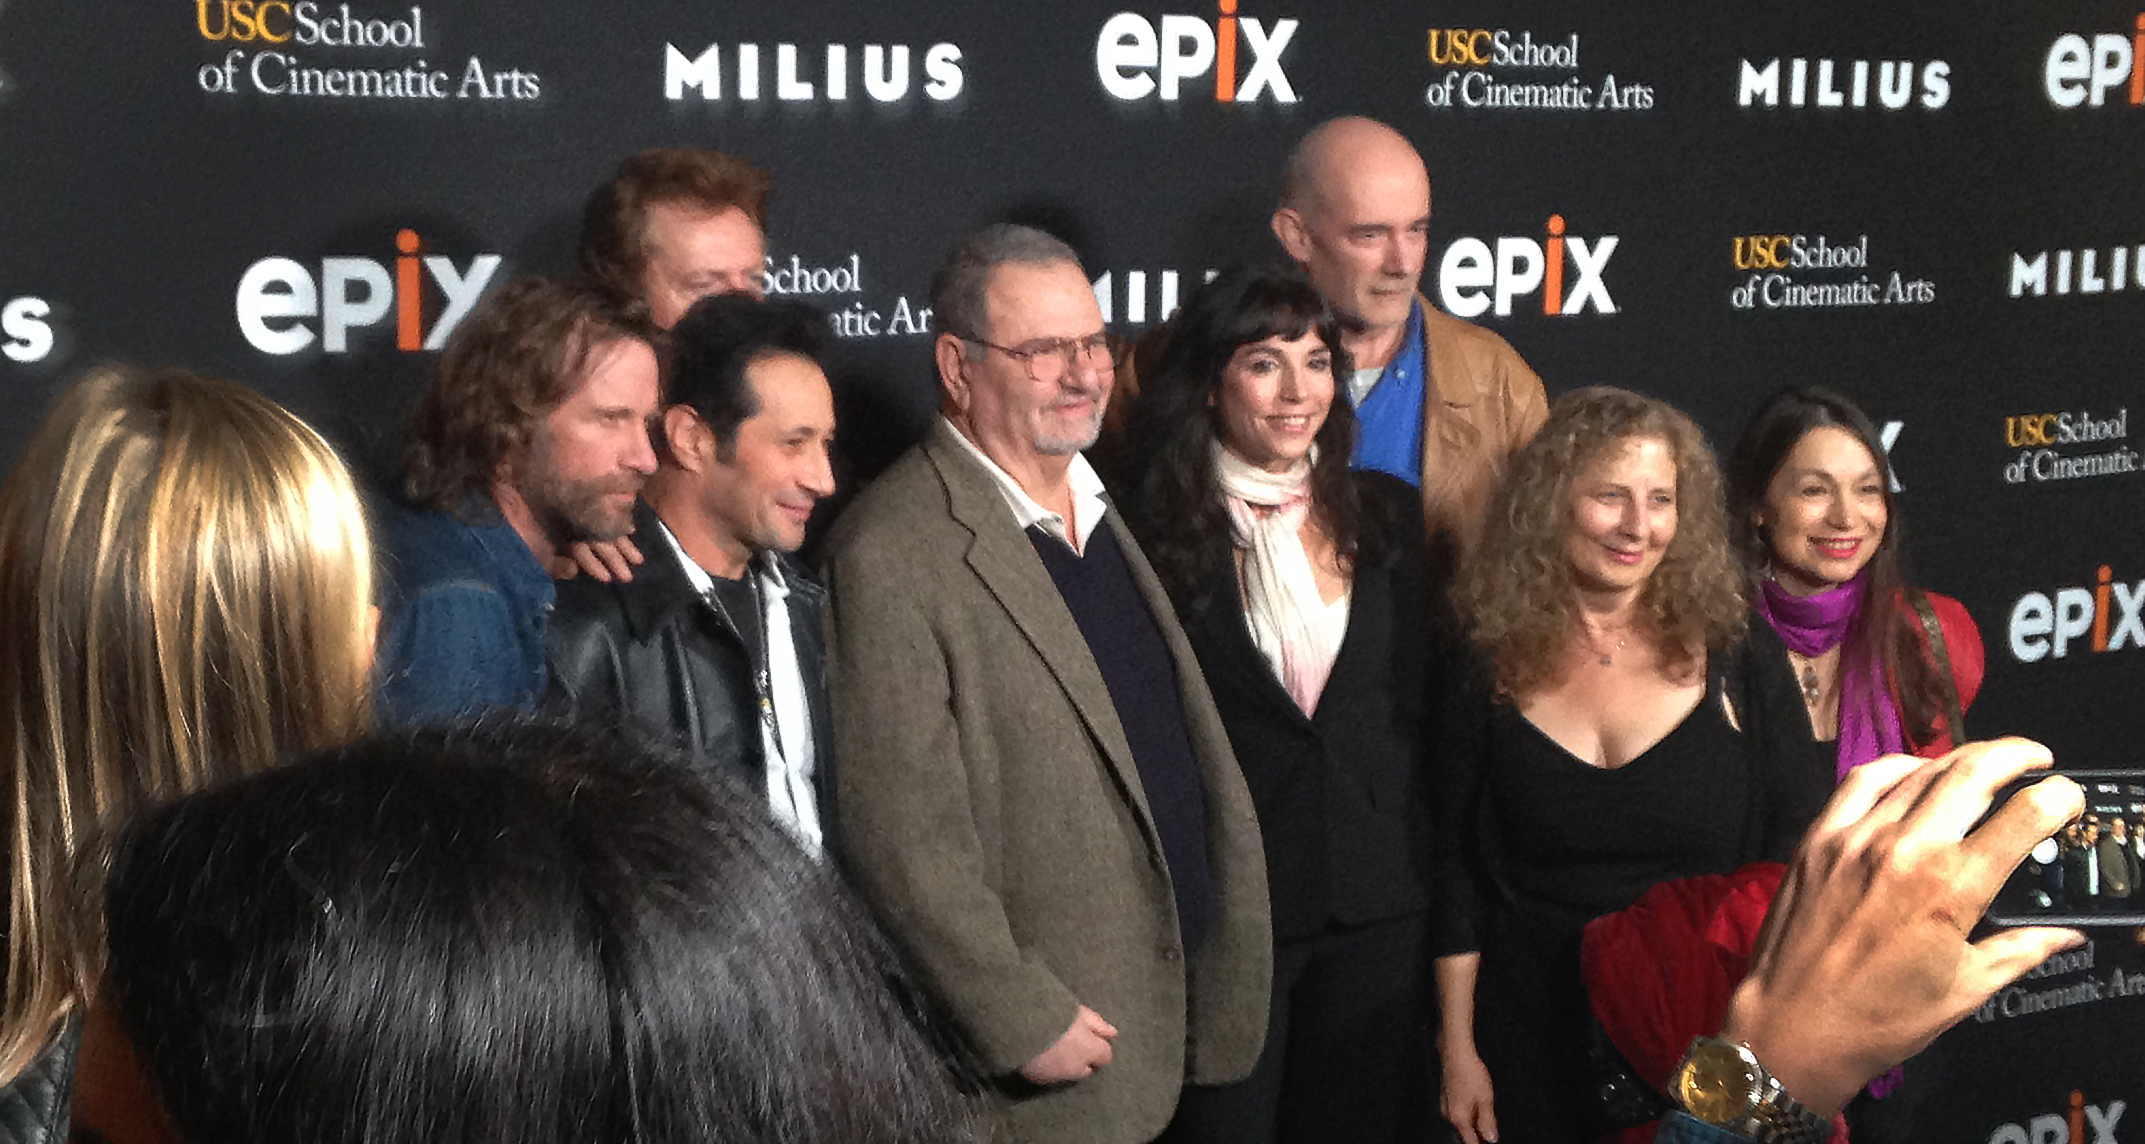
(1442, 403)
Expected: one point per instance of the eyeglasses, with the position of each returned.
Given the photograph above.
(1048, 362)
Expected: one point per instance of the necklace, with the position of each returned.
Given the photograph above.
(1586, 636)
(1811, 692)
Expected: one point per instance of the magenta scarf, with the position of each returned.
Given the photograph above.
(1869, 722)
(1811, 626)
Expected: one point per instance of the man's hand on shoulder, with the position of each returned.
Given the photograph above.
(602, 560)
(1084, 1048)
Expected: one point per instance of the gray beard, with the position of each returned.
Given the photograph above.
(1065, 446)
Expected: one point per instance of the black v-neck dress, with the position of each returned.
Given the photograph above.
(1535, 842)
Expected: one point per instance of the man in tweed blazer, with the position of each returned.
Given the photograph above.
(1036, 793)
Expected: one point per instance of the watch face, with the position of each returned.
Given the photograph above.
(1717, 1084)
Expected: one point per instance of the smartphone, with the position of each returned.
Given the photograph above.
(2090, 874)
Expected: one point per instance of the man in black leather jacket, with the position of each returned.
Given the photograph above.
(715, 644)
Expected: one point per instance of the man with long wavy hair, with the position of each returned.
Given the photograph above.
(532, 436)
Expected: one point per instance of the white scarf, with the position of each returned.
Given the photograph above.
(1297, 632)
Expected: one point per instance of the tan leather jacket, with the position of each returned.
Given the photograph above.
(1480, 404)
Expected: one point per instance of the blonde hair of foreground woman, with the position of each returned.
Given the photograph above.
(185, 588)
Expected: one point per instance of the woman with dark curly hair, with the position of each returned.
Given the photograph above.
(1303, 591)
(1614, 737)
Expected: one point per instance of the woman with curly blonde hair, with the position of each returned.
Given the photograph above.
(1612, 737)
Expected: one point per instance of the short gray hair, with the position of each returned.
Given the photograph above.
(960, 287)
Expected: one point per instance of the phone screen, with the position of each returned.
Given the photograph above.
(2090, 873)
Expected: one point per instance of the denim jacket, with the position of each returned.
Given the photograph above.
(464, 603)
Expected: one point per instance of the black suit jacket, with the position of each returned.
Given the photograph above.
(661, 659)
(1342, 795)
(2078, 862)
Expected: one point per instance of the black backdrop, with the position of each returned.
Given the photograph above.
(1978, 165)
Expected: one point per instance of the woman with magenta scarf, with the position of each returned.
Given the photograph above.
(1884, 667)
(1812, 490)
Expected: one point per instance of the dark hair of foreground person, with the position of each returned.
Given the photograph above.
(512, 933)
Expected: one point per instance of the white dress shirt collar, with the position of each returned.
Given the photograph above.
(1088, 501)
(703, 581)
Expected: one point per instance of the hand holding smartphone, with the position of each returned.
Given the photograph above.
(2090, 874)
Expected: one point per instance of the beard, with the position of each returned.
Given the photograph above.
(575, 509)
(1081, 436)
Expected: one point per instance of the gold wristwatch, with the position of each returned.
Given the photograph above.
(1722, 1083)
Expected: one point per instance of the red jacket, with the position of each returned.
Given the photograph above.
(1962, 642)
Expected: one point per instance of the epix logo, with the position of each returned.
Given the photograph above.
(275, 294)
(1816, 83)
(1136, 57)
(2110, 616)
(1477, 275)
(2082, 72)
(2084, 1124)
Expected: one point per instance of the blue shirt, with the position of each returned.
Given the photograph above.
(1389, 430)
(464, 607)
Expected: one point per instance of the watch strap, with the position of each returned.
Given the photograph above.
(1780, 1119)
